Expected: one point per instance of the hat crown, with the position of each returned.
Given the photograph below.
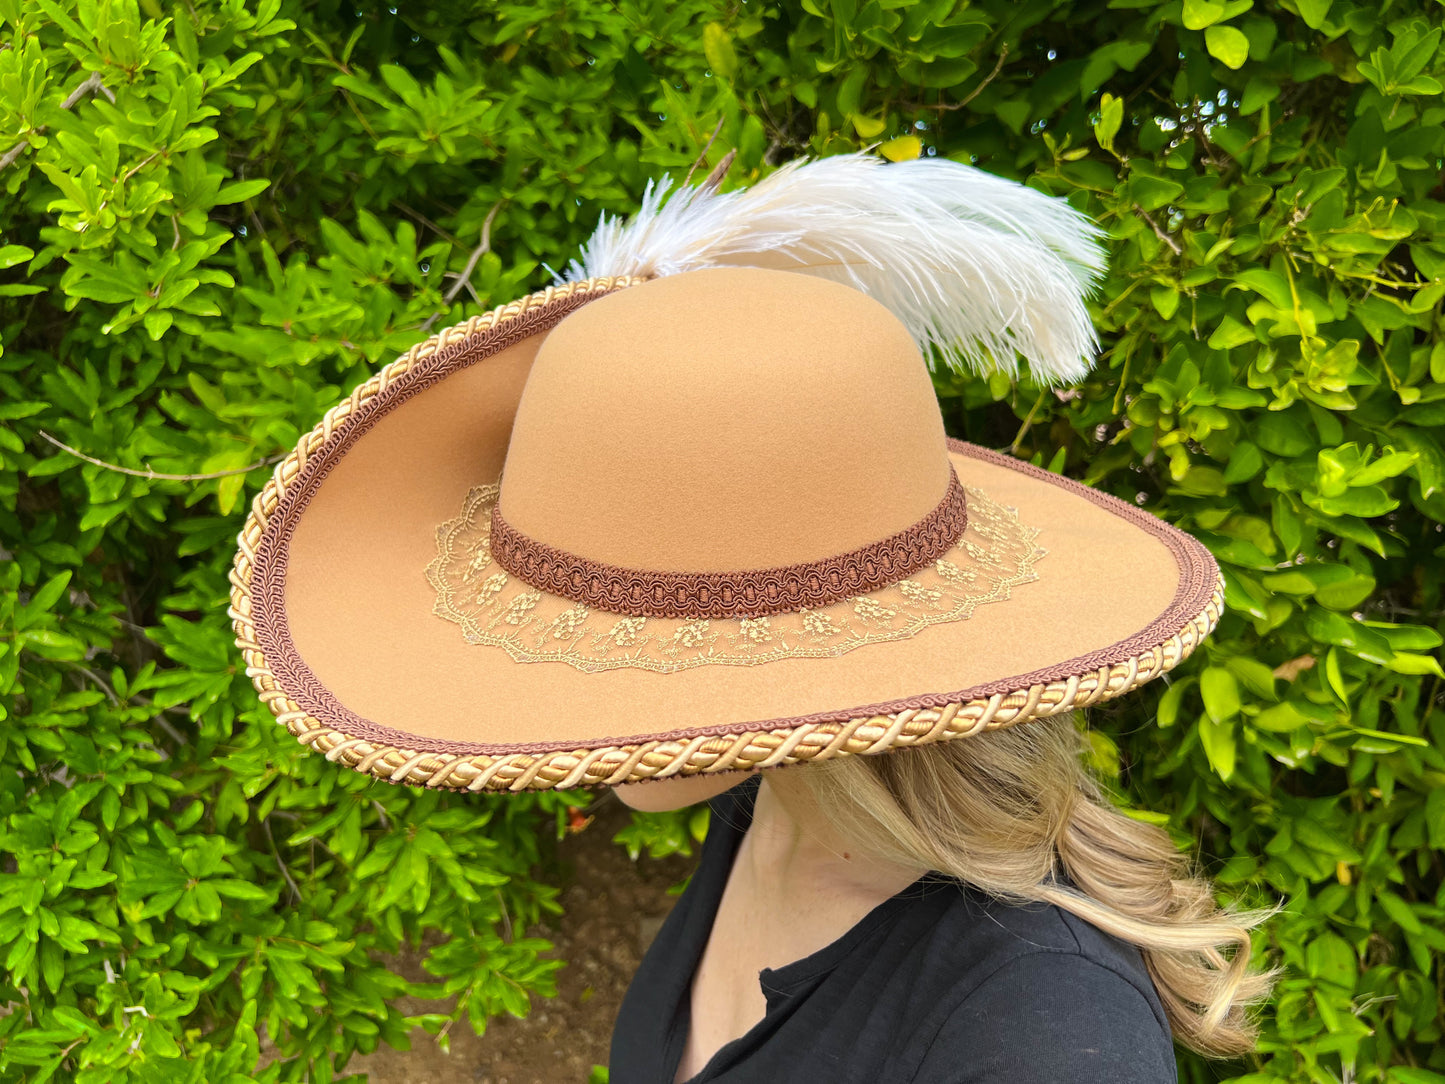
(725, 419)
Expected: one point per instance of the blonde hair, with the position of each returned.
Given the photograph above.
(1009, 811)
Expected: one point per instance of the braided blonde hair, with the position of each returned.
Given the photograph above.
(1007, 810)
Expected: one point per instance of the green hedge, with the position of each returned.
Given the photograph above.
(219, 216)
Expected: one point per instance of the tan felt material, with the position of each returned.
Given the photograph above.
(702, 446)
(1103, 572)
(333, 609)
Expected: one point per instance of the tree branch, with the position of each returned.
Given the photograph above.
(464, 279)
(155, 475)
(1157, 231)
(13, 153)
(419, 217)
(702, 156)
(949, 107)
(92, 84)
(147, 160)
(296, 892)
(165, 724)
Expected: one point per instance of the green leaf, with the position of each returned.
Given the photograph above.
(868, 127)
(1152, 193)
(1201, 13)
(698, 823)
(1400, 912)
(1435, 817)
(1387, 466)
(157, 323)
(1313, 12)
(1346, 594)
(1245, 461)
(1227, 45)
(228, 492)
(1268, 284)
(1111, 115)
(1221, 693)
(902, 149)
(1335, 676)
(161, 1043)
(1336, 586)
(1218, 742)
(1165, 300)
(1229, 334)
(718, 48)
(1330, 958)
(1168, 711)
(850, 90)
(241, 191)
(403, 85)
(1405, 663)
(1255, 675)
(1365, 503)
(240, 890)
(1385, 736)
(1283, 717)
(50, 643)
(52, 965)
(1410, 1074)
(45, 599)
(1406, 637)
(10, 255)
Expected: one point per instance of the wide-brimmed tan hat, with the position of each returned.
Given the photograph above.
(701, 515)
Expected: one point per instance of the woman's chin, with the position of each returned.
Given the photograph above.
(664, 795)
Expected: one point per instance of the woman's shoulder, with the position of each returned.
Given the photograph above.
(1046, 1018)
(1047, 997)
(1016, 929)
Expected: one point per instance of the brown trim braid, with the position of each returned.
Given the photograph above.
(310, 712)
(751, 593)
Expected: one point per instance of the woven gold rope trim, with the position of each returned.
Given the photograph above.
(611, 765)
(656, 759)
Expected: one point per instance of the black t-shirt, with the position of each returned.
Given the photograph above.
(938, 985)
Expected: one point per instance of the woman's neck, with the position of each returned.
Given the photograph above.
(792, 851)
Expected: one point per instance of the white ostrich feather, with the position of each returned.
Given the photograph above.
(976, 267)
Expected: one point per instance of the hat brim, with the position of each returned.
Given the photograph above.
(334, 611)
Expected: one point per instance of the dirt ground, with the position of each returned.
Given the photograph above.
(613, 909)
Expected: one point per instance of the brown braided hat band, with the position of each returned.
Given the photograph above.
(738, 593)
(388, 624)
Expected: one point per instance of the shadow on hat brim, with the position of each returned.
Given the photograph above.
(334, 613)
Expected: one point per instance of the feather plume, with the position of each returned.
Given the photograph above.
(976, 267)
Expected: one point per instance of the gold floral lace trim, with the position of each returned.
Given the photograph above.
(995, 554)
